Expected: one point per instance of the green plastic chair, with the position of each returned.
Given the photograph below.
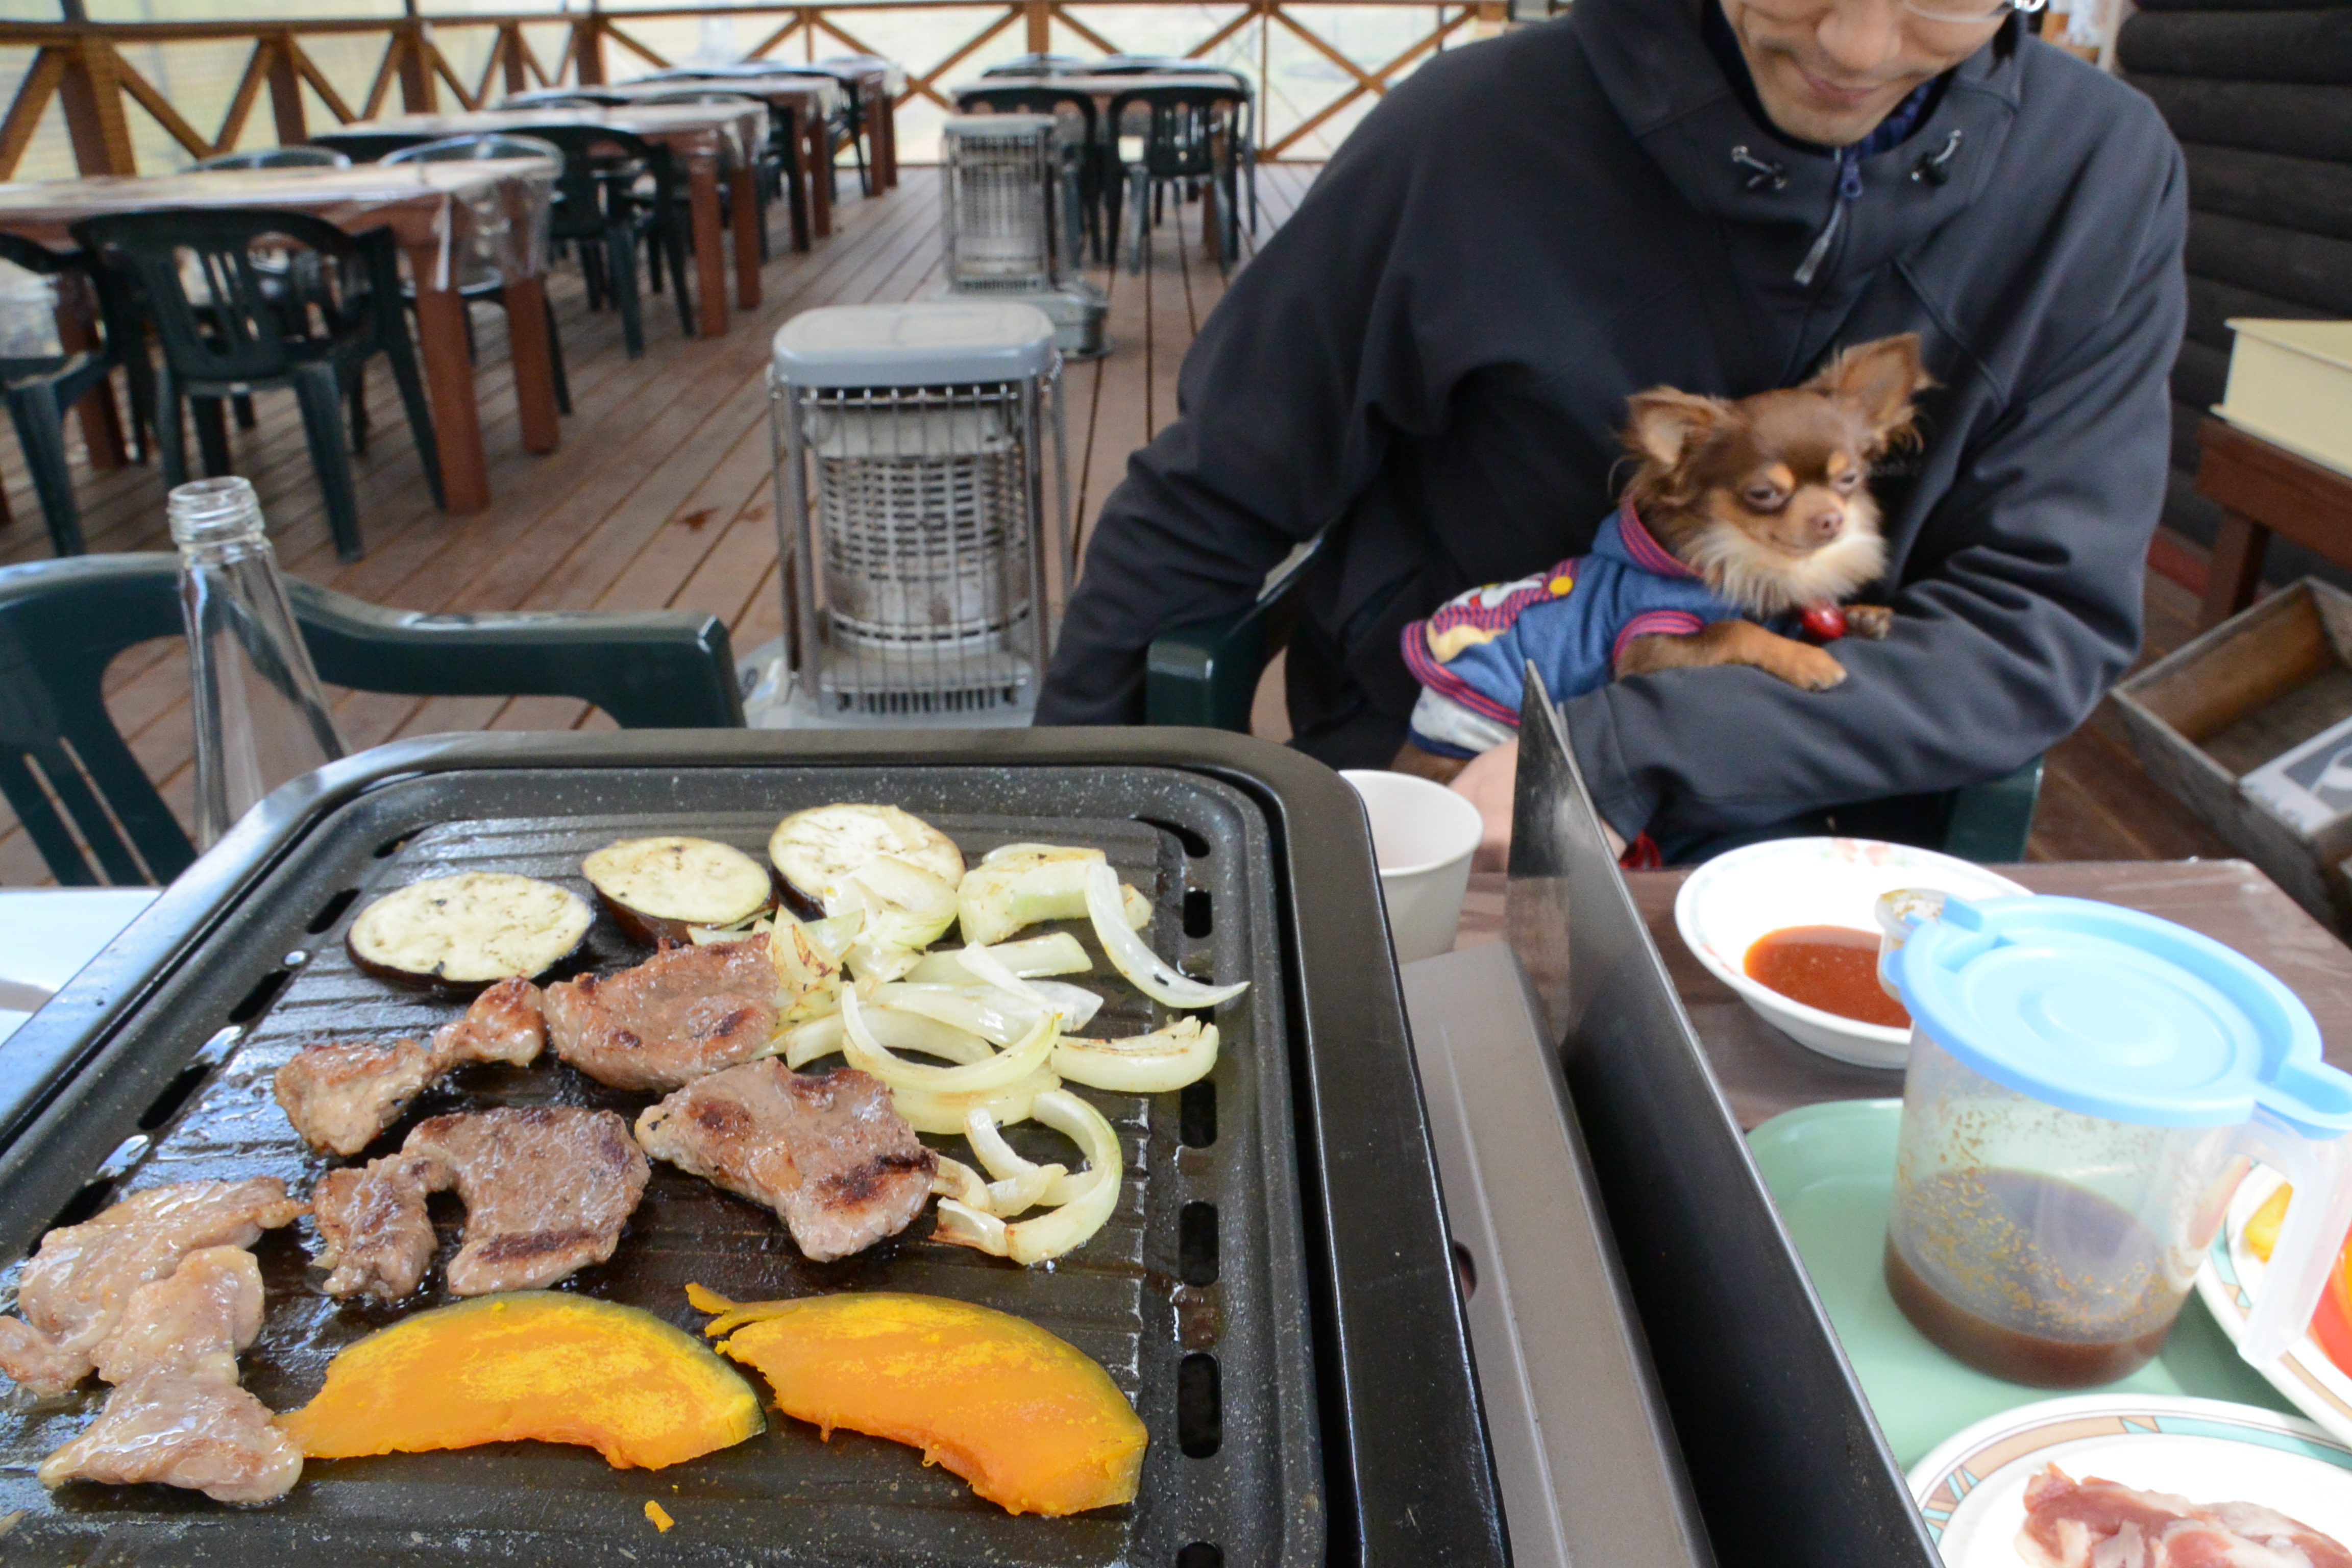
(62, 623)
(1206, 674)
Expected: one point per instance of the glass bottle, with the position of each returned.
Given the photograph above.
(260, 717)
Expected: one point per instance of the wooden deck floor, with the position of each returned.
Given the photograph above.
(659, 496)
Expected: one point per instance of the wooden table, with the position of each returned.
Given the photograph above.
(714, 141)
(806, 101)
(2263, 490)
(430, 209)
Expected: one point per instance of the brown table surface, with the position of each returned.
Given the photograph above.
(1763, 1072)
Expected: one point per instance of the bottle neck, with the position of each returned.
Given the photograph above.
(217, 521)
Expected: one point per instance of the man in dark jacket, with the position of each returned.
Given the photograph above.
(1431, 360)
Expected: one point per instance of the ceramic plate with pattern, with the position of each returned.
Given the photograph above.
(1972, 1488)
(2231, 1275)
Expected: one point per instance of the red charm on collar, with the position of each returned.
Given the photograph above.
(1825, 623)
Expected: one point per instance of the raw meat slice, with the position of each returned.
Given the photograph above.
(683, 1013)
(176, 1415)
(342, 1095)
(828, 1153)
(2095, 1523)
(72, 1294)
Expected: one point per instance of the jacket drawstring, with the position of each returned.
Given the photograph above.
(1849, 189)
(1936, 168)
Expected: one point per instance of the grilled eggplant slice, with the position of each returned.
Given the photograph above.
(816, 852)
(656, 888)
(461, 934)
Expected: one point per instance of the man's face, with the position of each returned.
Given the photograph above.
(1829, 71)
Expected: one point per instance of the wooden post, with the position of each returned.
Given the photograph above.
(1041, 25)
(286, 93)
(417, 94)
(511, 39)
(92, 94)
(588, 50)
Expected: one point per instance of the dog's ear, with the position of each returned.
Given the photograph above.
(1878, 381)
(1666, 422)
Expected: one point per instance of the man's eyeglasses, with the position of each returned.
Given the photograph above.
(1968, 12)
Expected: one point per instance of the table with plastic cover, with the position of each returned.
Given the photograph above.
(809, 102)
(713, 140)
(434, 210)
(1763, 1072)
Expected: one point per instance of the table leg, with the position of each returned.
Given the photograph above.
(709, 266)
(744, 190)
(890, 138)
(101, 421)
(449, 384)
(820, 175)
(796, 182)
(534, 363)
(2236, 569)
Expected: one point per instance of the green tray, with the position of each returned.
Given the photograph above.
(1830, 1171)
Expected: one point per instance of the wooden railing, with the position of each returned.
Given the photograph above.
(87, 76)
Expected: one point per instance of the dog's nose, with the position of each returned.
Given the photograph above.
(1824, 524)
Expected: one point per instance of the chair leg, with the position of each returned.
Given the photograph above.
(170, 435)
(139, 375)
(674, 237)
(359, 410)
(397, 348)
(211, 435)
(1141, 194)
(593, 273)
(315, 389)
(466, 314)
(41, 432)
(243, 406)
(555, 357)
(621, 252)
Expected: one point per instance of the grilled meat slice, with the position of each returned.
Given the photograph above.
(2094, 1524)
(376, 1235)
(73, 1292)
(176, 1415)
(504, 1025)
(828, 1153)
(546, 1190)
(683, 1013)
(342, 1095)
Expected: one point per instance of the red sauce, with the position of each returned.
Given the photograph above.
(1834, 968)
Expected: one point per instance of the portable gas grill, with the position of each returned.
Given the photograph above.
(1275, 1292)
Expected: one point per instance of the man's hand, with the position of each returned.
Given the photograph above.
(1488, 782)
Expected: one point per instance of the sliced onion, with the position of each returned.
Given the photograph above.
(997, 1157)
(1143, 968)
(881, 960)
(955, 1179)
(905, 904)
(1055, 952)
(1087, 1200)
(1076, 1003)
(807, 959)
(983, 964)
(1040, 882)
(943, 1114)
(978, 1010)
(967, 1227)
(1183, 1052)
(999, 1071)
(1018, 1194)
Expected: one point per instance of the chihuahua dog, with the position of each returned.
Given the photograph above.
(1739, 512)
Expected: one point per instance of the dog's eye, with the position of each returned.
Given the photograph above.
(1763, 497)
(1848, 480)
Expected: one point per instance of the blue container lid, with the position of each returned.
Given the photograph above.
(2117, 1013)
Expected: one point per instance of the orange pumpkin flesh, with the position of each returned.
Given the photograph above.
(1030, 1420)
(530, 1364)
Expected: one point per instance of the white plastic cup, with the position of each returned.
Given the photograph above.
(1424, 837)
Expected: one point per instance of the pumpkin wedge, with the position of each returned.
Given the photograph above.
(1030, 1420)
(540, 1364)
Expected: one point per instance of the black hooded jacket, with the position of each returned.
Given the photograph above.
(1432, 356)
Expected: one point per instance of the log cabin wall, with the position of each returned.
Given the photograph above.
(2261, 97)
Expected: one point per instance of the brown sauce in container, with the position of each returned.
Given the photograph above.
(1834, 968)
(2056, 1286)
